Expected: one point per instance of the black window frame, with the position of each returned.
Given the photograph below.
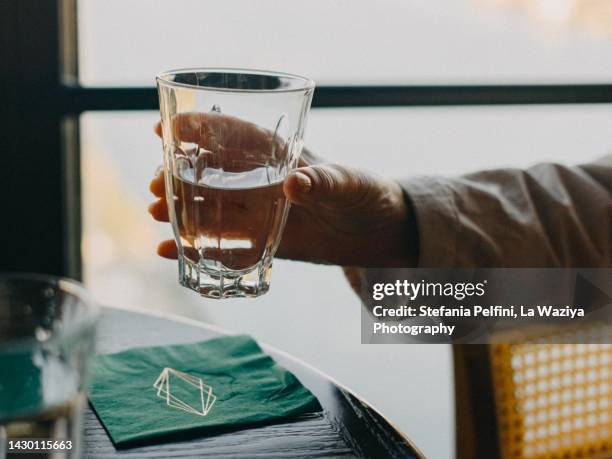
(42, 101)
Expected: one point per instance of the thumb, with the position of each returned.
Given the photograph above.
(327, 184)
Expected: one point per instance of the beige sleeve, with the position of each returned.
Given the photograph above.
(545, 216)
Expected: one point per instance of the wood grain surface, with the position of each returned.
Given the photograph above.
(348, 427)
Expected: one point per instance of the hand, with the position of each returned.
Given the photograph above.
(339, 215)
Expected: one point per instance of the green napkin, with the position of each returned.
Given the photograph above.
(250, 389)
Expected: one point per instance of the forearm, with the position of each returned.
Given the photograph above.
(545, 216)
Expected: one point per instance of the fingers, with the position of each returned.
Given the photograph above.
(235, 259)
(297, 186)
(211, 130)
(308, 158)
(167, 249)
(159, 210)
(157, 186)
(327, 185)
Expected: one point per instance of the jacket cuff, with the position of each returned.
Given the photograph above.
(437, 220)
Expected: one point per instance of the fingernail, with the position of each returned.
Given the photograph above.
(303, 181)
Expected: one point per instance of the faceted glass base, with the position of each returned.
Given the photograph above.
(230, 284)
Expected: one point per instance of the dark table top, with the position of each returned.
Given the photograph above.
(348, 426)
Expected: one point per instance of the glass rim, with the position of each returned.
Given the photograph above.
(307, 83)
(91, 310)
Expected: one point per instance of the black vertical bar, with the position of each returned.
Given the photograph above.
(34, 224)
(70, 141)
(72, 196)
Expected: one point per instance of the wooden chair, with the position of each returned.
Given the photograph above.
(532, 400)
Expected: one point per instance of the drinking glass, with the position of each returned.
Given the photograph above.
(46, 337)
(230, 138)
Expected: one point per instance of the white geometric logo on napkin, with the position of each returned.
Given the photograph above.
(184, 392)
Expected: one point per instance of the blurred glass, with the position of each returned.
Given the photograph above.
(341, 42)
(120, 154)
(46, 337)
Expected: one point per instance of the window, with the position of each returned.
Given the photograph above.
(341, 42)
(408, 54)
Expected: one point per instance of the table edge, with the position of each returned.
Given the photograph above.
(221, 330)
